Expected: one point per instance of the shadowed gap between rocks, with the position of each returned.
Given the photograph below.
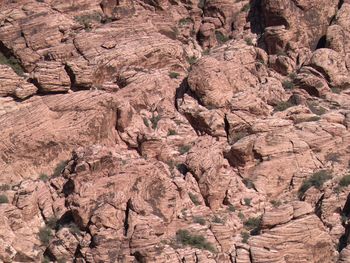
(343, 240)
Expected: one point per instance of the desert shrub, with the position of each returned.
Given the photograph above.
(45, 235)
(199, 220)
(344, 181)
(74, 229)
(194, 199)
(43, 177)
(245, 8)
(154, 120)
(3, 199)
(185, 21)
(231, 208)
(245, 236)
(145, 121)
(247, 201)
(52, 222)
(315, 108)
(191, 60)
(86, 19)
(248, 41)
(198, 241)
(238, 135)
(218, 220)
(287, 84)
(252, 223)
(171, 132)
(248, 183)
(332, 157)
(241, 216)
(184, 149)
(174, 75)
(275, 203)
(5, 187)
(59, 168)
(283, 105)
(317, 180)
(45, 260)
(220, 37)
(12, 62)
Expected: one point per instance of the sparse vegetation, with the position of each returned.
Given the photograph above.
(45, 235)
(283, 105)
(344, 181)
(52, 222)
(245, 8)
(317, 180)
(218, 220)
(332, 157)
(59, 168)
(45, 260)
(194, 199)
(174, 75)
(5, 187)
(287, 84)
(185, 21)
(3, 199)
(252, 223)
(154, 120)
(191, 60)
(231, 208)
(220, 37)
(336, 90)
(248, 183)
(74, 229)
(310, 119)
(198, 241)
(171, 132)
(245, 236)
(275, 203)
(248, 41)
(145, 121)
(315, 108)
(87, 20)
(184, 149)
(43, 177)
(12, 62)
(247, 201)
(199, 220)
(241, 216)
(238, 135)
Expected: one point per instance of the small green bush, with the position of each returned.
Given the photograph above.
(220, 37)
(333, 157)
(248, 183)
(191, 60)
(247, 201)
(154, 120)
(245, 236)
(198, 241)
(12, 62)
(171, 132)
(3, 199)
(245, 8)
(74, 229)
(185, 21)
(44, 177)
(231, 208)
(194, 199)
(287, 84)
(248, 41)
(241, 216)
(283, 105)
(52, 222)
(46, 260)
(184, 149)
(5, 187)
(199, 220)
(45, 235)
(252, 223)
(315, 108)
(174, 75)
(275, 203)
(59, 169)
(145, 121)
(344, 181)
(317, 180)
(218, 220)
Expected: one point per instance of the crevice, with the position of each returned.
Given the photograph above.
(126, 219)
(8, 58)
(322, 42)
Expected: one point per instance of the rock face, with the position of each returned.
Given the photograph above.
(174, 131)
